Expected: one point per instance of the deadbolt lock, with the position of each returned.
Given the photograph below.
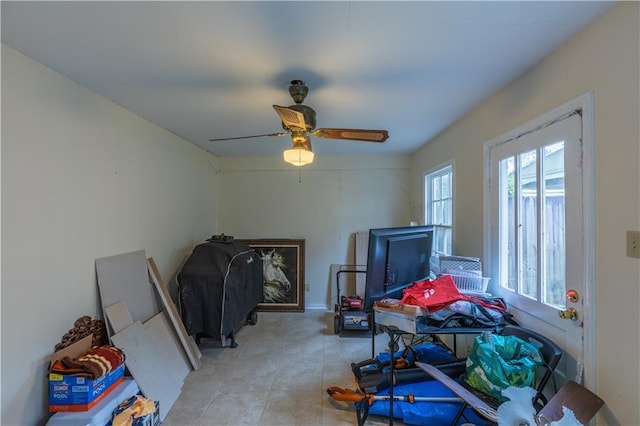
(570, 313)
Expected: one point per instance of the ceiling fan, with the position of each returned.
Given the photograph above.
(299, 121)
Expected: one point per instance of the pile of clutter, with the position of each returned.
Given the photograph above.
(83, 327)
(133, 411)
(87, 381)
(95, 363)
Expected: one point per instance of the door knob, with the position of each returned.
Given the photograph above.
(570, 313)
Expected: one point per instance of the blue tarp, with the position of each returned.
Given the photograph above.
(428, 352)
(422, 412)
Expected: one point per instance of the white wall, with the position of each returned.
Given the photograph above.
(603, 58)
(81, 179)
(324, 203)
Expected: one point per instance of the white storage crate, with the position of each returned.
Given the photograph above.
(470, 283)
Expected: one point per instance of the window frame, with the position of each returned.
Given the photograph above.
(440, 170)
(516, 281)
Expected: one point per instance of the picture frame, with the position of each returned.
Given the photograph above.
(283, 270)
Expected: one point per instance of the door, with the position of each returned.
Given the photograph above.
(536, 233)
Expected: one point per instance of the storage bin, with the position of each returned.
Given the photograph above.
(460, 263)
(470, 283)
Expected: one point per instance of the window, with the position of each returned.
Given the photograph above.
(438, 195)
(531, 188)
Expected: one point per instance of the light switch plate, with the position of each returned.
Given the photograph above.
(633, 244)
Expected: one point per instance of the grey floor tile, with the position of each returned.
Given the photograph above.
(188, 408)
(256, 374)
(278, 375)
(286, 407)
(235, 407)
(300, 376)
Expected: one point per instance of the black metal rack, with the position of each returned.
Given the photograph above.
(395, 335)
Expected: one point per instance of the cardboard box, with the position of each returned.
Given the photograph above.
(73, 393)
(396, 315)
(394, 305)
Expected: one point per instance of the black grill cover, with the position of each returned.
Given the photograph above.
(219, 285)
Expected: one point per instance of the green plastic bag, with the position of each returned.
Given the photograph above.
(497, 362)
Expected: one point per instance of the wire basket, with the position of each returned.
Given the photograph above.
(470, 283)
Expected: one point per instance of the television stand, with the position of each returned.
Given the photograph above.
(404, 323)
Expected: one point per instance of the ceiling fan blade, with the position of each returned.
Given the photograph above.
(353, 134)
(290, 117)
(249, 137)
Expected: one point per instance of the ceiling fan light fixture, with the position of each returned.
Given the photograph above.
(299, 155)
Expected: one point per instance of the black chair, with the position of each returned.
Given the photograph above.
(484, 404)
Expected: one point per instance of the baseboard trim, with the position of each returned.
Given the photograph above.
(316, 307)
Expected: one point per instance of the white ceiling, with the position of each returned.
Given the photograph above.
(213, 69)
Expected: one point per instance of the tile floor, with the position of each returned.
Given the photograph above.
(278, 375)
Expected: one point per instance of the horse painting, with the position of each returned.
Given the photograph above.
(276, 283)
(283, 273)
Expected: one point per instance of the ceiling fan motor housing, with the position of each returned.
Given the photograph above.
(298, 91)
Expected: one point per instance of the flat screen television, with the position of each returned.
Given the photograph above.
(396, 258)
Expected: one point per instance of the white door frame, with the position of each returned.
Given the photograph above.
(584, 104)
